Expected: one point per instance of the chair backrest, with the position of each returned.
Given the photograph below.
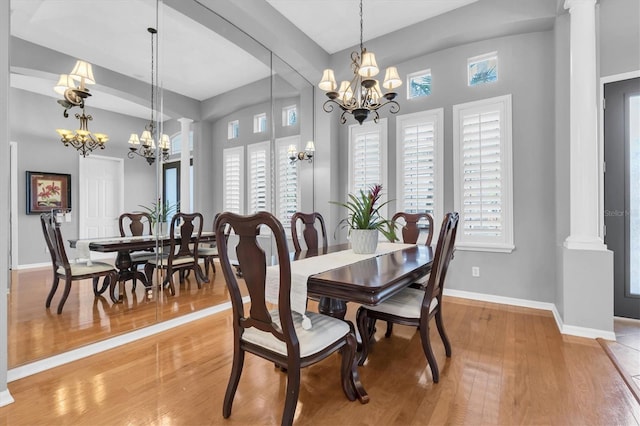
(184, 226)
(309, 230)
(252, 261)
(136, 224)
(227, 229)
(443, 255)
(410, 229)
(55, 243)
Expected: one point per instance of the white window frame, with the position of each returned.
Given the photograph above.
(251, 149)
(232, 126)
(285, 115)
(466, 239)
(356, 130)
(260, 123)
(436, 118)
(282, 159)
(227, 155)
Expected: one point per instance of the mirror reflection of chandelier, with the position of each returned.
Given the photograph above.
(145, 145)
(82, 139)
(362, 94)
(74, 95)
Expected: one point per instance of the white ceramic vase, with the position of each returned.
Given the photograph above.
(364, 241)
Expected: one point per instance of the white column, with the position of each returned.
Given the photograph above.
(185, 163)
(584, 164)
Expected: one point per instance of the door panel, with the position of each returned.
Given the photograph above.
(622, 191)
(101, 196)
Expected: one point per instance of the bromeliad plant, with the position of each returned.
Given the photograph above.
(160, 211)
(364, 212)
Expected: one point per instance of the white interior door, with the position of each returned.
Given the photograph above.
(101, 187)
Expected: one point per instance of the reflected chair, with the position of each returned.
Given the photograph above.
(136, 225)
(183, 251)
(309, 230)
(416, 307)
(277, 335)
(210, 251)
(62, 269)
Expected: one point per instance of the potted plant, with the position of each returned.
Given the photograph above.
(364, 220)
(160, 212)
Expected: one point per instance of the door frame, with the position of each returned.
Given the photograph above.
(603, 81)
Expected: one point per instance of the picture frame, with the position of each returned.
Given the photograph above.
(48, 191)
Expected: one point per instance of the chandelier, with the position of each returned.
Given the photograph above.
(82, 139)
(73, 95)
(145, 145)
(361, 96)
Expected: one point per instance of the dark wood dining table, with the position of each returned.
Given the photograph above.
(369, 281)
(125, 245)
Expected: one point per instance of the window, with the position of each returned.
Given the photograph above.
(289, 116)
(419, 84)
(233, 179)
(260, 123)
(367, 154)
(287, 190)
(419, 146)
(171, 191)
(258, 175)
(176, 143)
(483, 177)
(233, 129)
(482, 69)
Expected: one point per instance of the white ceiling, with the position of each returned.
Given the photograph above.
(195, 61)
(335, 24)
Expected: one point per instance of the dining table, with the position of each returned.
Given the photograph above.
(124, 246)
(366, 279)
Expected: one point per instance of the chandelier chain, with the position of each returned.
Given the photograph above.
(361, 27)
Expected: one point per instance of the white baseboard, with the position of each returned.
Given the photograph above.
(570, 330)
(5, 398)
(33, 265)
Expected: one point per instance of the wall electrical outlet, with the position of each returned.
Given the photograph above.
(475, 271)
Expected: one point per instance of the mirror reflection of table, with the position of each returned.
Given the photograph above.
(125, 245)
(369, 281)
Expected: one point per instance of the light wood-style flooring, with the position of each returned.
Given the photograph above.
(35, 332)
(509, 366)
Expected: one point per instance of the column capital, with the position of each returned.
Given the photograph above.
(568, 4)
(185, 120)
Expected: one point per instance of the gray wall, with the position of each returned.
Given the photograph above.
(527, 73)
(5, 396)
(34, 119)
(619, 36)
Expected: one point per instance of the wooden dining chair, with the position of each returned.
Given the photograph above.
(310, 223)
(416, 307)
(410, 228)
(183, 251)
(70, 272)
(410, 234)
(277, 335)
(136, 225)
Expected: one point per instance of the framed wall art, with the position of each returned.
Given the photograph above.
(48, 191)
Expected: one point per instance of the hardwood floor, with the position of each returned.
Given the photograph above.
(35, 332)
(625, 352)
(509, 366)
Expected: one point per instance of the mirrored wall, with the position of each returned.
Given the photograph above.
(216, 89)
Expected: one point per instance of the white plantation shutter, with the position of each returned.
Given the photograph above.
(483, 174)
(258, 177)
(287, 188)
(367, 150)
(232, 179)
(419, 142)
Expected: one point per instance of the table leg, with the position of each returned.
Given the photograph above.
(123, 264)
(333, 307)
